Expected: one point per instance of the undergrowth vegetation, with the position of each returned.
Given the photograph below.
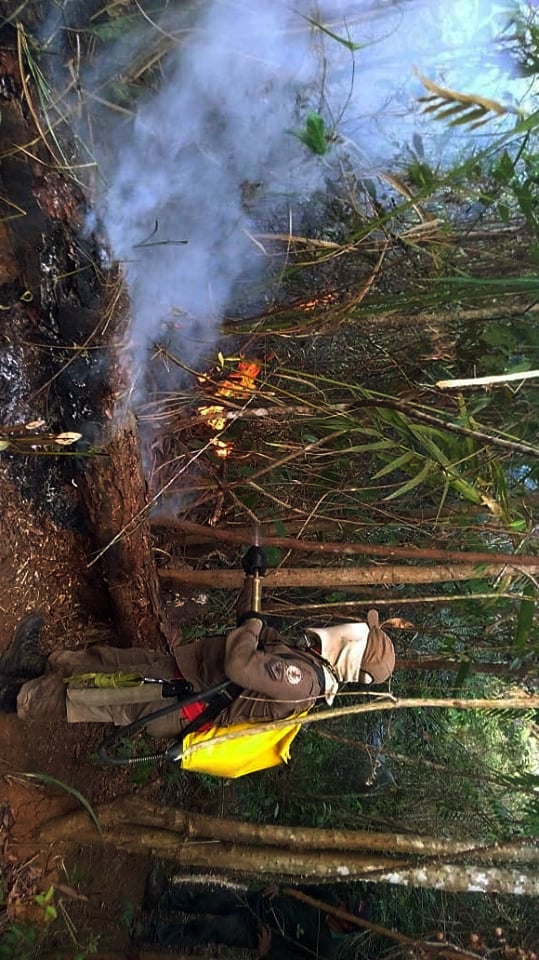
(387, 292)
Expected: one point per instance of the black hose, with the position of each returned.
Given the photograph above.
(130, 729)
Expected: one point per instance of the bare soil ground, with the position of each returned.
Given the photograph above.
(44, 567)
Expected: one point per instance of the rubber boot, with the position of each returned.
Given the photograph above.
(23, 658)
(157, 884)
(9, 689)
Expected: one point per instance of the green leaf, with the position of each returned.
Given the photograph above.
(422, 175)
(519, 367)
(53, 782)
(273, 556)
(517, 526)
(314, 134)
(280, 527)
(466, 490)
(375, 445)
(498, 335)
(395, 464)
(414, 482)
(478, 114)
(504, 169)
(110, 30)
(431, 448)
(44, 898)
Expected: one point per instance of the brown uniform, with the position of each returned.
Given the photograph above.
(277, 680)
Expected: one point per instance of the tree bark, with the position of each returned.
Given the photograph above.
(41, 219)
(188, 827)
(460, 878)
(116, 500)
(266, 856)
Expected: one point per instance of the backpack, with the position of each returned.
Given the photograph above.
(210, 751)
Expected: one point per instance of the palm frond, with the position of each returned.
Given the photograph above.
(459, 108)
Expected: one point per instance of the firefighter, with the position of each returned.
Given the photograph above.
(277, 679)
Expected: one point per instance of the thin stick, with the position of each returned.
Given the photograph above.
(524, 702)
(486, 381)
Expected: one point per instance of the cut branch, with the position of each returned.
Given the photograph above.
(336, 577)
(488, 381)
(189, 827)
(354, 549)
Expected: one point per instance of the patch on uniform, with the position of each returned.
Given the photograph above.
(293, 674)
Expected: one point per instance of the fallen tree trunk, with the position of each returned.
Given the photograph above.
(42, 216)
(258, 851)
(188, 827)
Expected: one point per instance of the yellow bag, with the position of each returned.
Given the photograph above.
(243, 754)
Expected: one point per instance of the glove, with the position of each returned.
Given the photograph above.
(250, 615)
(254, 561)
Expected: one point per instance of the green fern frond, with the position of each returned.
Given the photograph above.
(508, 716)
(521, 780)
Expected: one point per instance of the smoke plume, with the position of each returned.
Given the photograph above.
(238, 77)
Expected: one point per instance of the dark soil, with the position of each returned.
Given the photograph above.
(57, 370)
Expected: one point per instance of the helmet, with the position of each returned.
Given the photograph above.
(356, 652)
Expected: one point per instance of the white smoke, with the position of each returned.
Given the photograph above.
(455, 43)
(237, 80)
(174, 209)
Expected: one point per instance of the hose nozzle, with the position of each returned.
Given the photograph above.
(254, 564)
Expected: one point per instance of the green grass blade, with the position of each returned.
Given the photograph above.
(413, 482)
(395, 465)
(334, 36)
(53, 782)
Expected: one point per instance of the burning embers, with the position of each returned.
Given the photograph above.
(238, 385)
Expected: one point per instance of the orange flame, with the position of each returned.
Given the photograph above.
(213, 416)
(239, 385)
(223, 448)
(241, 381)
(321, 301)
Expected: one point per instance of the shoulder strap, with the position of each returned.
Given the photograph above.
(218, 702)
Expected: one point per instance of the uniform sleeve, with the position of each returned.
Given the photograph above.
(243, 602)
(276, 677)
